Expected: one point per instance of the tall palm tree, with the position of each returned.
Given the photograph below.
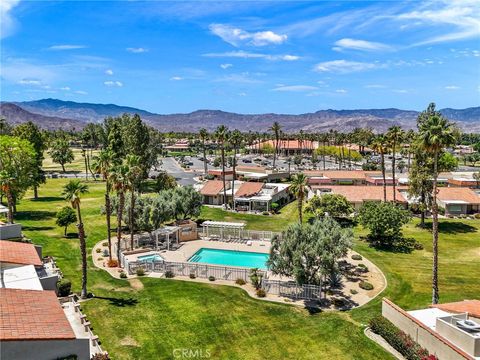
(236, 139)
(204, 136)
(119, 181)
(102, 164)
(298, 187)
(436, 134)
(276, 128)
(395, 136)
(379, 145)
(72, 192)
(221, 134)
(134, 175)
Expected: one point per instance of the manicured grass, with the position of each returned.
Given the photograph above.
(149, 318)
(78, 164)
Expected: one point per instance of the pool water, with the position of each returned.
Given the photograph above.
(150, 258)
(230, 258)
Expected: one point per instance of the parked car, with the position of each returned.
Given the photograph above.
(247, 161)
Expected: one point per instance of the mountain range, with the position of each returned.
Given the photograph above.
(68, 115)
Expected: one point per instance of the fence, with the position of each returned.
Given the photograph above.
(291, 289)
(226, 233)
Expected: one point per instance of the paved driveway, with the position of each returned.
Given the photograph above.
(172, 168)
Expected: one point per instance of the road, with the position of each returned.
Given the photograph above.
(172, 168)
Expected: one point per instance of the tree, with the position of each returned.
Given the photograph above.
(379, 145)
(164, 182)
(72, 192)
(236, 140)
(395, 136)
(276, 129)
(435, 134)
(134, 176)
(334, 205)
(65, 217)
(476, 176)
(61, 153)
(306, 251)
(136, 139)
(204, 136)
(119, 181)
(221, 134)
(384, 220)
(17, 161)
(185, 202)
(31, 132)
(298, 187)
(102, 164)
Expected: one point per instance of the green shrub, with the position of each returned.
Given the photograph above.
(169, 274)
(338, 302)
(477, 216)
(211, 278)
(98, 250)
(105, 243)
(192, 276)
(255, 278)
(240, 282)
(362, 267)
(100, 357)
(140, 272)
(353, 291)
(261, 293)
(100, 258)
(64, 287)
(356, 257)
(365, 285)
(123, 275)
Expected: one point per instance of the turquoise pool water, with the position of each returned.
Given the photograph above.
(150, 258)
(230, 258)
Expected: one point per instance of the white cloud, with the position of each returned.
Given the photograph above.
(400, 91)
(452, 87)
(341, 91)
(375, 86)
(66, 47)
(138, 50)
(65, 88)
(249, 55)
(344, 66)
(113, 83)
(236, 36)
(362, 45)
(242, 94)
(225, 66)
(109, 72)
(8, 24)
(176, 78)
(80, 92)
(295, 88)
(242, 78)
(30, 82)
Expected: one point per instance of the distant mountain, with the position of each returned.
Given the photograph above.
(323, 120)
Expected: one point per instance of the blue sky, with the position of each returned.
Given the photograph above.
(242, 56)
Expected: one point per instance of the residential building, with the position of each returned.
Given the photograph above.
(458, 200)
(180, 146)
(347, 177)
(220, 174)
(10, 231)
(260, 173)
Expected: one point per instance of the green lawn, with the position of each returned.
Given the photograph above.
(150, 318)
(78, 164)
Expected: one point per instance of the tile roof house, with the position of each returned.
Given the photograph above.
(472, 307)
(13, 252)
(249, 189)
(458, 200)
(347, 177)
(212, 192)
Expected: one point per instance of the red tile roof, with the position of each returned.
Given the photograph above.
(458, 194)
(249, 189)
(358, 194)
(14, 252)
(253, 168)
(472, 307)
(32, 315)
(212, 187)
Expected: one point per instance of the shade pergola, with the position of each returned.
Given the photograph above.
(222, 226)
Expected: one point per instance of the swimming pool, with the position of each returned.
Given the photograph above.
(150, 258)
(230, 258)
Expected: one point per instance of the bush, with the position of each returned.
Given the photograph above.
(365, 285)
(356, 257)
(140, 272)
(477, 216)
(240, 282)
(169, 274)
(338, 302)
(105, 243)
(400, 341)
(265, 213)
(100, 357)
(98, 250)
(261, 293)
(100, 258)
(255, 278)
(123, 275)
(112, 263)
(353, 291)
(192, 276)
(64, 287)
(362, 267)
(211, 278)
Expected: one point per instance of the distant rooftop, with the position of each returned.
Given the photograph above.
(13, 252)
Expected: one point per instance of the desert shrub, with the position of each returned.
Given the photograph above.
(365, 285)
(356, 257)
(255, 278)
(192, 276)
(335, 279)
(338, 302)
(265, 213)
(353, 291)
(112, 263)
(100, 357)
(399, 340)
(211, 278)
(477, 216)
(64, 287)
(98, 250)
(240, 282)
(100, 258)
(123, 275)
(169, 274)
(362, 267)
(261, 293)
(105, 243)
(140, 272)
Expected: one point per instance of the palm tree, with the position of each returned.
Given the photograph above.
(119, 181)
(298, 187)
(221, 135)
(236, 139)
(436, 134)
(395, 136)
(380, 147)
(204, 136)
(102, 165)
(276, 128)
(133, 177)
(72, 192)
